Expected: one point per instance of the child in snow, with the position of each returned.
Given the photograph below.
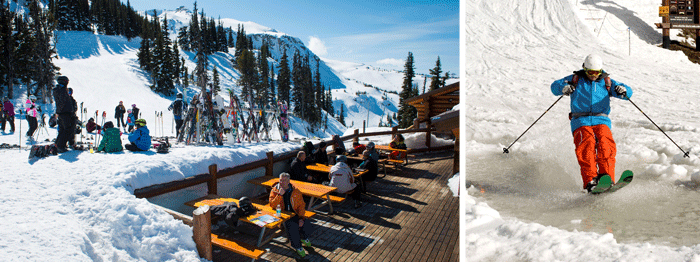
(92, 126)
(140, 139)
(32, 112)
(130, 120)
(9, 111)
(111, 139)
(590, 90)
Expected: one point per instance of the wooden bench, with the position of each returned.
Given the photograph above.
(389, 149)
(238, 247)
(394, 162)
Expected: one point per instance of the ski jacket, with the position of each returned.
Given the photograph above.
(111, 141)
(341, 177)
(338, 145)
(590, 97)
(119, 111)
(91, 126)
(141, 138)
(321, 156)
(135, 111)
(178, 107)
(296, 200)
(359, 149)
(62, 99)
(130, 119)
(31, 108)
(372, 169)
(298, 170)
(8, 108)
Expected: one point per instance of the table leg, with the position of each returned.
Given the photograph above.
(311, 204)
(260, 238)
(330, 205)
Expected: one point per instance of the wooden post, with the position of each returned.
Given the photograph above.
(416, 123)
(455, 162)
(363, 126)
(201, 231)
(357, 136)
(428, 133)
(665, 32)
(394, 129)
(212, 187)
(270, 165)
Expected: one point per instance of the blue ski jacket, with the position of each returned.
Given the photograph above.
(141, 138)
(590, 97)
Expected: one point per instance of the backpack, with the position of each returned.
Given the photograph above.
(227, 211)
(574, 80)
(177, 108)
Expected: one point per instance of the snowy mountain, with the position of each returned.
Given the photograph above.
(528, 205)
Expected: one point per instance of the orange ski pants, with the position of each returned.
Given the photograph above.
(595, 146)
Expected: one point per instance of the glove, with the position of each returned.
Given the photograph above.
(621, 91)
(568, 89)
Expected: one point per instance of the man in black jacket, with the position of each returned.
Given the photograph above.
(298, 169)
(66, 115)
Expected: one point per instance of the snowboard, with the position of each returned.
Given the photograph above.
(605, 184)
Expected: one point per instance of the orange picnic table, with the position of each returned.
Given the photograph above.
(390, 149)
(308, 189)
(262, 210)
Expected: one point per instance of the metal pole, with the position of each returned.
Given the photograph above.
(685, 154)
(505, 150)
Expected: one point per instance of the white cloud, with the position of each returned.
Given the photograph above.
(317, 46)
(391, 61)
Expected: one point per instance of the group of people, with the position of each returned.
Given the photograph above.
(66, 109)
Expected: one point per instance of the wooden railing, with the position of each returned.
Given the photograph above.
(268, 163)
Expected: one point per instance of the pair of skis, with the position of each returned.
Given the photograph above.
(605, 183)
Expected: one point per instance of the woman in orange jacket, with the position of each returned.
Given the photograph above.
(288, 198)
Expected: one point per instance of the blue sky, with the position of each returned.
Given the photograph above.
(378, 33)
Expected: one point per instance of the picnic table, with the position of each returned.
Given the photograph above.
(390, 149)
(262, 210)
(315, 191)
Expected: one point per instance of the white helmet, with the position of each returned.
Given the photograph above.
(32, 97)
(593, 61)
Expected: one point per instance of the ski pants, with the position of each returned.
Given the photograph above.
(595, 150)
(11, 120)
(297, 233)
(120, 121)
(178, 125)
(66, 130)
(33, 124)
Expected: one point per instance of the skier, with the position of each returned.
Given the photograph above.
(9, 112)
(135, 110)
(590, 90)
(140, 139)
(119, 115)
(32, 112)
(130, 120)
(178, 107)
(66, 115)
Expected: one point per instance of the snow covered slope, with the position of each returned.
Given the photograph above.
(514, 50)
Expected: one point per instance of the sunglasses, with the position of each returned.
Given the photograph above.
(593, 72)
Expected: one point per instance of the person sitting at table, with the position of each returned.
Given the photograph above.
(358, 148)
(341, 178)
(283, 194)
(320, 155)
(298, 169)
(338, 146)
(398, 143)
(372, 168)
(308, 148)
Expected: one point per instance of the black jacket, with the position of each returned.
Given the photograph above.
(119, 111)
(64, 102)
(298, 170)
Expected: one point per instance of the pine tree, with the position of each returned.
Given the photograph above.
(43, 27)
(297, 78)
(407, 112)
(7, 49)
(249, 80)
(264, 85)
(216, 83)
(341, 115)
(284, 78)
(435, 80)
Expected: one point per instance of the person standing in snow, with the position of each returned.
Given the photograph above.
(590, 90)
(9, 111)
(140, 139)
(119, 115)
(32, 112)
(66, 115)
(130, 120)
(135, 110)
(178, 107)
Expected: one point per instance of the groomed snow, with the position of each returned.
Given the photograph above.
(514, 50)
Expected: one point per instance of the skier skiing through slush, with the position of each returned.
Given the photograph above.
(590, 90)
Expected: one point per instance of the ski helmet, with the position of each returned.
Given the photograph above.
(62, 80)
(32, 97)
(341, 158)
(133, 105)
(141, 122)
(594, 62)
(179, 95)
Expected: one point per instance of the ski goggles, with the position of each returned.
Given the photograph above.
(593, 72)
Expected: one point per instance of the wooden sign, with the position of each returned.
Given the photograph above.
(663, 11)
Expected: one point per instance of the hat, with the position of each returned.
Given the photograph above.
(32, 97)
(341, 158)
(370, 145)
(62, 80)
(133, 105)
(141, 122)
(128, 110)
(179, 95)
(121, 102)
(108, 124)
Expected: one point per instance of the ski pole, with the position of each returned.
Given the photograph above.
(685, 154)
(505, 150)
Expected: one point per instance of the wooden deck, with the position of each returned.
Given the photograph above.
(406, 216)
